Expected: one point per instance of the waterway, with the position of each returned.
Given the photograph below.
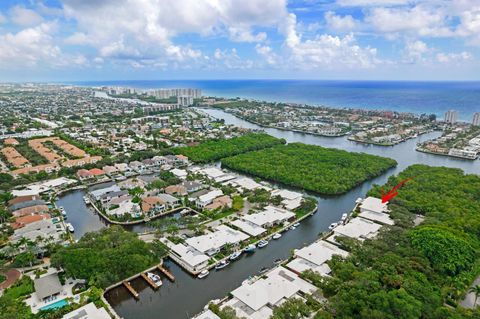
(187, 295)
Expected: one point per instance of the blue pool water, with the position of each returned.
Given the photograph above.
(56, 305)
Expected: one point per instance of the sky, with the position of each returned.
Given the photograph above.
(79, 40)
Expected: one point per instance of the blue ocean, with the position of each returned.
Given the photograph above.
(416, 97)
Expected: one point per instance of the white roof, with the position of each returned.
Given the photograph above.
(300, 265)
(212, 172)
(208, 314)
(208, 197)
(179, 172)
(40, 187)
(244, 311)
(319, 252)
(377, 217)
(212, 241)
(224, 178)
(280, 283)
(374, 204)
(286, 194)
(291, 204)
(246, 183)
(189, 254)
(102, 191)
(358, 228)
(249, 227)
(271, 214)
(89, 311)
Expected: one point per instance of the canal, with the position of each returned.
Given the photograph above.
(187, 295)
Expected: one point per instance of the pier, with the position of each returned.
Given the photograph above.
(166, 273)
(130, 288)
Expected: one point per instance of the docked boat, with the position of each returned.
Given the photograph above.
(70, 227)
(250, 248)
(62, 211)
(292, 227)
(203, 274)
(222, 264)
(235, 255)
(344, 217)
(296, 225)
(263, 270)
(277, 236)
(86, 200)
(262, 243)
(332, 226)
(277, 261)
(155, 278)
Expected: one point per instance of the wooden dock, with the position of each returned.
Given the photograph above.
(130, 288)
(166, 273)
(150, 281)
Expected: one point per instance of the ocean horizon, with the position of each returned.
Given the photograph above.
(431, 97)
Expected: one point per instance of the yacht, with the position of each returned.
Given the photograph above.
(250, 248)
(86, 200)
(296, 225)
(277, 236)
(70, 227)
(332, 226)
(203, 274)
(262, 243)
(62, 211)
(222, 264)
(344, 217)
(155, 278)
(292, 227)
(235, 255)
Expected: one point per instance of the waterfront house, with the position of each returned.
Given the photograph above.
(357, 228)
(248, 227)
(213, 242)
(26, 204)
(107, 197)
(315, 257)
(21, 199)
(153, 205)
(373, 209)
(110, 170)
(270, 216)
(257, 299)
(188, 257)
(44, 228)
(89, 311)
(98, 193)
(220, 202)
(170, 201)
(208, 198)
(30, 210)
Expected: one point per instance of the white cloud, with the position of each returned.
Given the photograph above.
(267, 53)
(368, 3)
(454, 57)
(245, 35)
(470, 24)
(339, 23)
(326, 51)
(414, 51)
(25, 17)
(29, 47)
(419, 20)
(3, 19)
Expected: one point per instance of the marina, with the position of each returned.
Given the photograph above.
(330, 209)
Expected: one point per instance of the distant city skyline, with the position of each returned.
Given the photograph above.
(68, 40)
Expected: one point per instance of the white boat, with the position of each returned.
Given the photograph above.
(250, 248)
(296, 225)
(292, 227)
(155, 278)
(222, 264)
(70, 227)
(262, 243)
(86, 200)
(235, 255)
(203, 274)
(344, 217)
(62, 211)
(277, 236)
(332, 226)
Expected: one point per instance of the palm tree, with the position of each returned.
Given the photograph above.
(476, 290)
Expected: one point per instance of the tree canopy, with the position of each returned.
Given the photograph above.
(106, 256)
(216, 149)
(314, 168)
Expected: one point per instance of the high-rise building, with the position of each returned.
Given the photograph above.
(451, 116)
(476, 119)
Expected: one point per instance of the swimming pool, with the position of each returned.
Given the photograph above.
(56, 305)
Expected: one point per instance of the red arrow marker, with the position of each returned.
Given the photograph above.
(393, 192)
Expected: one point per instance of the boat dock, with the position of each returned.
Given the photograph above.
(166, 273)
(150, 281)
(130, 288)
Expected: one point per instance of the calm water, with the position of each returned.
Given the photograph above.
(416, 97)
(187, 296)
